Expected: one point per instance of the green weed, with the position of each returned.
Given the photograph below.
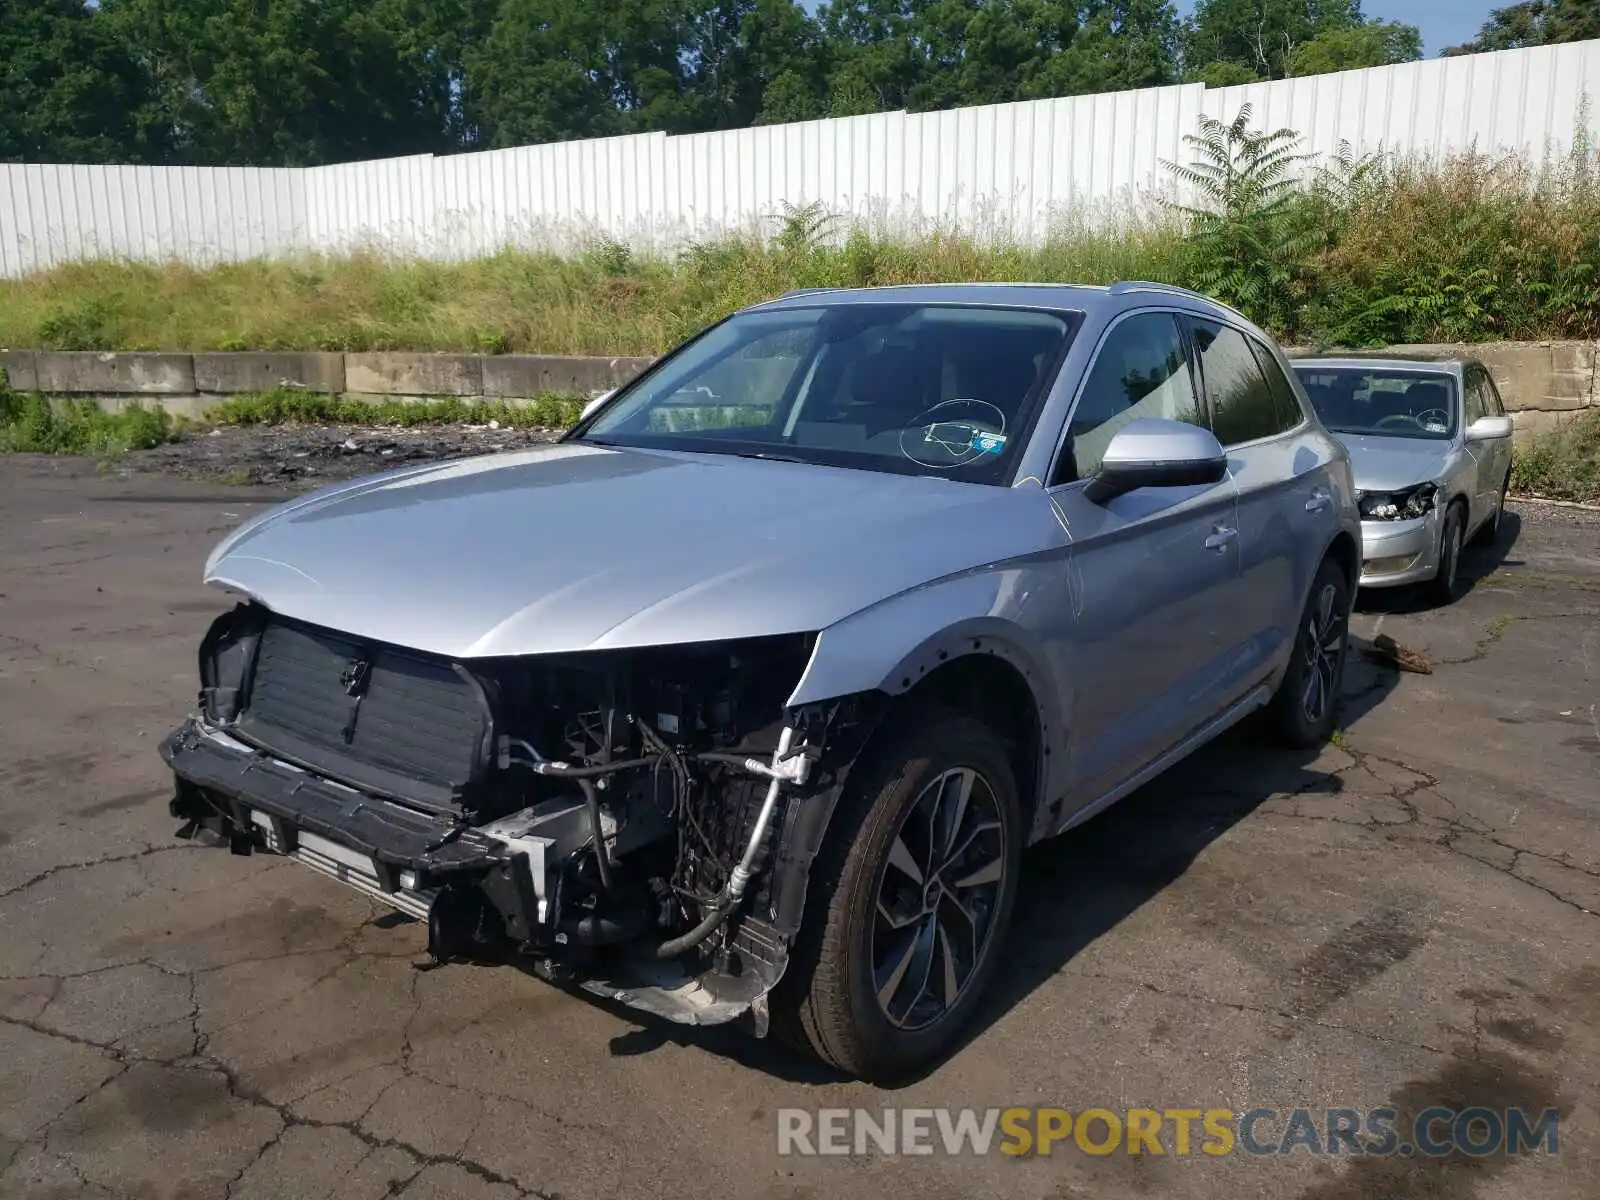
(285, 407)
(32, 424)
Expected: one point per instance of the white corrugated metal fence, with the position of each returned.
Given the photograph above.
(1008, 169)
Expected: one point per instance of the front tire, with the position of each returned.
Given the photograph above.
(1489, 534)
(1443, 588)
(910, 900)
(1305, 709)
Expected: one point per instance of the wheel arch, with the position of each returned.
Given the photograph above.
(981, 665)
(1346, 551)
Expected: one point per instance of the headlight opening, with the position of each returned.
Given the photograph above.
(1405, 505)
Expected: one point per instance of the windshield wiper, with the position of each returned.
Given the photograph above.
(788, 458)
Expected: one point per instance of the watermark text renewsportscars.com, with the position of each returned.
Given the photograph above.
(1436, 1132)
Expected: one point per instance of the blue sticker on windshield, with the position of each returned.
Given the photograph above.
(989, 443)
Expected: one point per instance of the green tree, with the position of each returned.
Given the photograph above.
(69, 91)
(742, 49)
(877, 54)
(1224, 74)
(1535, 23)
(556, 69)
(1370, 44)
(933, 54)
(292, 82)
(1115, 45)
(1261, 34)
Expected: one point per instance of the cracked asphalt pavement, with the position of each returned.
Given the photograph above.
(1407, 918)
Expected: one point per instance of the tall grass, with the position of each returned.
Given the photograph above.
(1366, 252)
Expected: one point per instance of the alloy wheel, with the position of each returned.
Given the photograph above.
(1323, 649)
(937, 895)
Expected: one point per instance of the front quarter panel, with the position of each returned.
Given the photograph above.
(892, 646)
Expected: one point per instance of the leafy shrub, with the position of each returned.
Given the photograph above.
(32, 424)
(1563, 464)
(1247, 238)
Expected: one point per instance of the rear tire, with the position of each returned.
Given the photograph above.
(909, 902)
(1305, 709)
(1444, 587)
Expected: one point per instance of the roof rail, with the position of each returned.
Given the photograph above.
(1146, 285)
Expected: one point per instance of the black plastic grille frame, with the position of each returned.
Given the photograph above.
(419, 727)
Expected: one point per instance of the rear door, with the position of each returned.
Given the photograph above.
(1484, 455)
(1281, 468)
(1153, 574)
(1501, 446)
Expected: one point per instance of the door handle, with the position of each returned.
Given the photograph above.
(1221, 537)
(1319, 501)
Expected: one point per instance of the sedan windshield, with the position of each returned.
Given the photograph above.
(1383, 403)
(921, 389)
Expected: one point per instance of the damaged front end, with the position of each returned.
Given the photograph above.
(636, 822)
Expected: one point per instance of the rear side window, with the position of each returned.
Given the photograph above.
(1140, 371)
(1243, 407)
(1491, 393)
(1477, 396)
(1283, 396)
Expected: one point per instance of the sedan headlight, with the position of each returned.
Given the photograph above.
(1404, 505)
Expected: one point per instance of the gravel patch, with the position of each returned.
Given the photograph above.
(311, 455)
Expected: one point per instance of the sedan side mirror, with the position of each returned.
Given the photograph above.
(1487, 429)
(595, 403)
(1154, 452)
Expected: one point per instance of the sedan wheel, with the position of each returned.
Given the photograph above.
(909, 899)
(1490, 533)
(1442, 589)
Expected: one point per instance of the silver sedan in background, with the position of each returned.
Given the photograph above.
(1430, 444)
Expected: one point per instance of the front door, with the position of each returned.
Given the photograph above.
(1153, 575)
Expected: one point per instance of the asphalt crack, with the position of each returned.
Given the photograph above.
(197, 1060)
(146, 852)
(1451, 830)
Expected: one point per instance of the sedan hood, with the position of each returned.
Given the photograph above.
(575, 547)
(1386, 464)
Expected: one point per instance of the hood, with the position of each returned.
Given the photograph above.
(575, 547)
(1385, 464)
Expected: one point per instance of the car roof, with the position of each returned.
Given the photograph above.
(1080, 296)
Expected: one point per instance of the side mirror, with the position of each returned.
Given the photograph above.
(595, 403)
(1487, 429)
(1153, 452)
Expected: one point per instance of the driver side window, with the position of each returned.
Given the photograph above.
(1141, 370)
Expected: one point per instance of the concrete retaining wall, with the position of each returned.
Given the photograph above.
(1543, 383)
(188, 383)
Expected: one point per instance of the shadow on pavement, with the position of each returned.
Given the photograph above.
(1478, 561)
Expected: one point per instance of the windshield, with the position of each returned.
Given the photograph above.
(920, 389)
(1383, 403)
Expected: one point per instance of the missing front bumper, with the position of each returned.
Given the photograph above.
(481, 896)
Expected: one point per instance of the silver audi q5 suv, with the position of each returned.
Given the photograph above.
(744, 698)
